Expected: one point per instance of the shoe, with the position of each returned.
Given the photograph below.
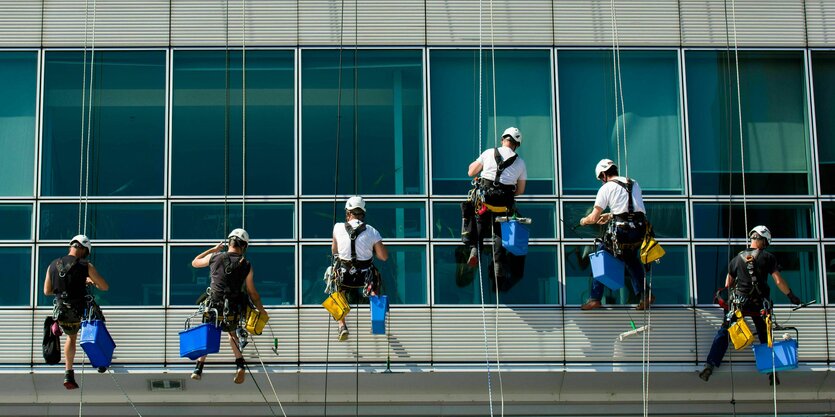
(472, 261)
(102, 369)
(197, 373)
(343, 333)
(646, 302)
(69, 380)
(706, 373)
(240, 375)
(591, 305)
(772, 378)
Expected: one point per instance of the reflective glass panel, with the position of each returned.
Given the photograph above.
(273, 271)
(593, 125)
(830, 272)
(669, 279)
(668, 218)
(799, 269)
(394, 220)
(714, 220)
(823, 74)
(17, 268)
(126, 149)
(199, 221)
(19, 84)
(523, 100)
(455, 283)
(774, 122)
(447, 219)
(207, 114)
(133, 273)
(828, 215)
(380, 133)
(111, 221)
(16, 221)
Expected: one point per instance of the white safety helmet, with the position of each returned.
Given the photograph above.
(603, 166)
(355, 202)
(82, 240)
(514, 134)
(239, 234)
(761, 231)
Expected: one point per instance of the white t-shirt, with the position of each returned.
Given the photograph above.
(613, 195)
(365, 241)
(516, 171)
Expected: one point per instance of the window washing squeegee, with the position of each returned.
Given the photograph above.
(635, 330)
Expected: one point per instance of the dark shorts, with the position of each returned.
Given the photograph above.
(68, 314)
(230, 317)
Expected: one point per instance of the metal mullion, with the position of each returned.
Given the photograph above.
(685, 124)
(427, 150)
(810, 113)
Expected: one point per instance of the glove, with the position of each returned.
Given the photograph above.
(793, 298)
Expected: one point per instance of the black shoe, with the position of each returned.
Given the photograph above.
(197, 373)
(240, 371)
(102, 369)
(69, 380)
(706, 373)
(772, 378)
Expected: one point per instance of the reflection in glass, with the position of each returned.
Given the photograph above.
(19, 84)
(669, 220)
(200, 221)
(15, 276)
(111, 221)
(447, 219)
(650, 150)
(786, 221)
(823, 75)
(455, 104)
(394, 220)
(16, 221)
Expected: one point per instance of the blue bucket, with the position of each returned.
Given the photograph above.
(199, 341)
(515, 237)
(97, 343)
(379, 308)
(607, 269)
(785, 356)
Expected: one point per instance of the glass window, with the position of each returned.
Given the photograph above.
(380, 142)
(210, 221)
(404, 274)
(133, 273)
(455, 104)
(669, 278)
(17, 268)
(799, 269)
(447, 219)
(203, 108)
(394, 220)
(455, 282)
(830, 272)
(786, 221)
(823, 75)
(127, 139)
(774, 122)
(19, 84)
(828, 214)
(668, 218)
(273, 271)
(648, 133)
(110, 221)
(16, 221)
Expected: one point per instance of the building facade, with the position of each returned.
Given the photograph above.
(157, 126)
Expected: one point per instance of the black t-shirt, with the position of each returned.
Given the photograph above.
(73, 284)
(228, 284)
(751, 278)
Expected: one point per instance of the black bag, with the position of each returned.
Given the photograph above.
(51, 343)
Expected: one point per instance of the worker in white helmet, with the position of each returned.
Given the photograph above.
(627, 229)
(232, 288)
(747, 282)
(67, 279)
(354, 245)
(499, 176)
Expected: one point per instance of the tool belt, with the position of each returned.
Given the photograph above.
(358, 274)
(230, 307)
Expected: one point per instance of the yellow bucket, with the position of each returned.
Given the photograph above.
(256, 320)
(337, 305)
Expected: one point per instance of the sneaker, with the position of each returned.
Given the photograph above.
(706, 373)
(69, 380)
(773, 379)
(102, 369)
(197, 373)
(343, 333)
(646, 302)
(472, 261)
(240, 375)
(591, 305)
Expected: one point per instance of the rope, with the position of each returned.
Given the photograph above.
(619, 89)
(89, 120)
(81, 390)
(615, 76)
(251, 376)
(226, 126)
(275, 393)
(357, 364)
(243, 114)
(739, 116)
(83, 110)
(113, 376)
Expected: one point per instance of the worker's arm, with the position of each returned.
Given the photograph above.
(334, 247)
(47, 284)
(380, 251)
(475, 168)
(96, 279)
(520, 187)
(596, 216)
(202, 260)
(784, 287)
(253, 293)
(729, 280)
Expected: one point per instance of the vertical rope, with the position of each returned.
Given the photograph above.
(739, 117)
(89, 121)
(615, 79)
(226, 125)
(356, 97)
(619, 86)
(83, 119)
(264, 367)
(124, 393)
(243, 114)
